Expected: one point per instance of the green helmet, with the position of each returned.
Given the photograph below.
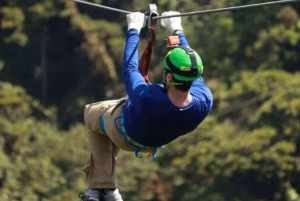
(184, 64)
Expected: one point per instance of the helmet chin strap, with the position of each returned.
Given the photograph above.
(165, 82)
(171, 83)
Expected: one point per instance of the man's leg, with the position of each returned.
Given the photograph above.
(101, 172)
(112, 194)
(100, 169)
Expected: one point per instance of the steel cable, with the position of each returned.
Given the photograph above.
(196, 12)
(101, 6)
(228, 8)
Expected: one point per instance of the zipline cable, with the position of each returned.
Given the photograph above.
(105, 7)
(228, 8)
(196, 12)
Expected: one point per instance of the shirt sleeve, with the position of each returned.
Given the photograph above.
(135, 83)
(183, 40)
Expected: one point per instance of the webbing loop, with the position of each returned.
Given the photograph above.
(145, 60)
(102, 127)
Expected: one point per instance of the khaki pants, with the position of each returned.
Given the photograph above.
(100, 168)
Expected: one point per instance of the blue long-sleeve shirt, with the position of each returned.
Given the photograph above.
(150, 118)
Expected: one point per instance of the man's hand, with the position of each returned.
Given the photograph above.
(173, 23)
(136, 21)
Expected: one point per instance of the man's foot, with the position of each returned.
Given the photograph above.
(111, 195)
(90, 195)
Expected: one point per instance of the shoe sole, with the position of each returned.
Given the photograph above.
(92, 199)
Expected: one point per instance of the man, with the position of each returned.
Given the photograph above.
(152, 115)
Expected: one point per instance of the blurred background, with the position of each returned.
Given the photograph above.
(58, 55)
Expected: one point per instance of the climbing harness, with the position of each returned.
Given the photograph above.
(133, 145)
(119, 125)
(145, 60)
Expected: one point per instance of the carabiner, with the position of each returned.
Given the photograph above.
(152, 26)
(152, 13)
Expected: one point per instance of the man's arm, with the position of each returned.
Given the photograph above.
(134, 82)
(198, 88)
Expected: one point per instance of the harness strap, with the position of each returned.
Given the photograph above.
(146, 56)
(130, 143)
(116, 104)
(102, 127)
(144, 64)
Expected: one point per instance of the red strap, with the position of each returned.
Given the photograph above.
(146, 56)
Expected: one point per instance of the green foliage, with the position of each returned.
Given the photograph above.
(12, 23)
(57, 56)
(32, 152)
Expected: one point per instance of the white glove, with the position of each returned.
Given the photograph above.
(136, 21)
(172, 23)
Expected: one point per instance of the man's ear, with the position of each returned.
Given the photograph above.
(169, 77)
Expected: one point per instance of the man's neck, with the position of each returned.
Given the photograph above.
(179, 98)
